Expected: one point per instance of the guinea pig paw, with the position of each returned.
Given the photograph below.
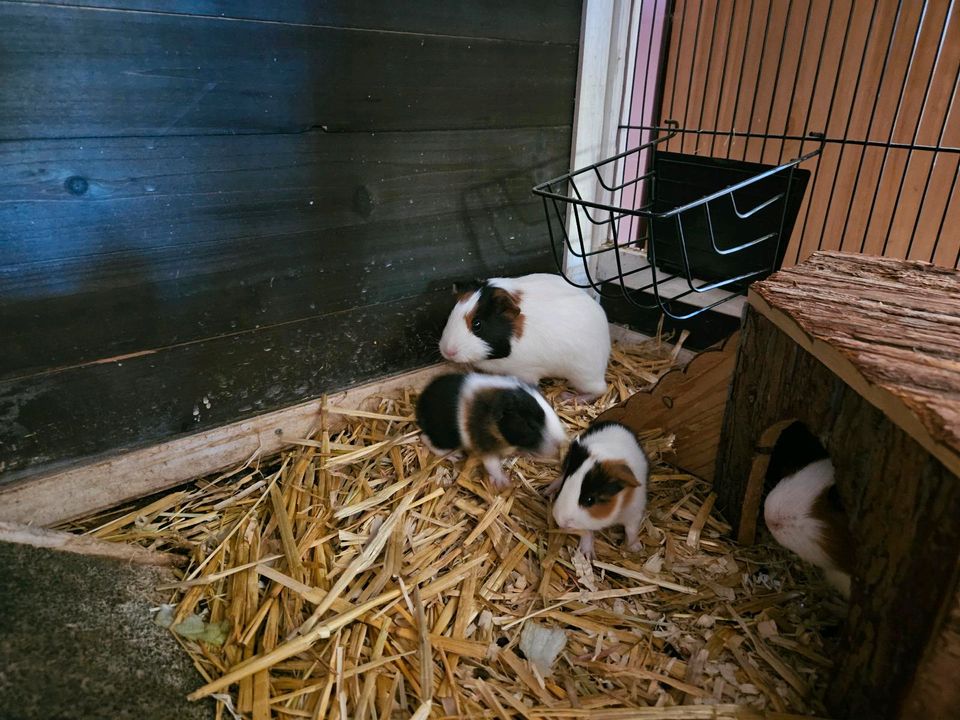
(498, 478)
(586, 546)
(635, 546)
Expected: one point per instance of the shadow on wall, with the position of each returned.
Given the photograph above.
(493, 212)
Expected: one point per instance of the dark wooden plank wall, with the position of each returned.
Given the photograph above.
(210, 209)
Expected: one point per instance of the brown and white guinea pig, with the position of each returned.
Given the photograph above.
(804, 514)
(532, 327)
(490, 415)
(603, 483)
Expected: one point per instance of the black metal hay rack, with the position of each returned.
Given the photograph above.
(702, 228)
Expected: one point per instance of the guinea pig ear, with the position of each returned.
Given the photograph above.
(620, 472)
(465, 288)
(506, 304)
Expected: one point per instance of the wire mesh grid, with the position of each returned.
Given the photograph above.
(664, 229)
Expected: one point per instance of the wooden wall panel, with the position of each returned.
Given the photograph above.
(529, 21)
(113, 74)
(884, 71)
(51, 419)
(214, 209)
(177, 239)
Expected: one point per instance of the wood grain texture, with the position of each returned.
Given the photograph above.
(48, 421)
(688, 402)
(889, 328)
(147, 74)
(84, 545)
(547, 21)
(936, 693)
(903, 506)
(178, 239)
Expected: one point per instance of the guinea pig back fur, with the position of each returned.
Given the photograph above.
(489, 415)
(531, 327)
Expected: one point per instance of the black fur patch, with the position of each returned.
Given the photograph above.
(522, 421)
(437, 411)
(498, 418)
(598, 487)
(576, 456)
(491, 320)
(796, 448)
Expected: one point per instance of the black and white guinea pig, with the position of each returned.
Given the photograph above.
(804, 514)
(490, 415)
(532, 327)
(603, 483)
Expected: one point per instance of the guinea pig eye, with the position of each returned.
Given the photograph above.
(475, 324)
(588, 501)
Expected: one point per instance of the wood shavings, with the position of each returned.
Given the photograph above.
(361, 576)
(541, 645)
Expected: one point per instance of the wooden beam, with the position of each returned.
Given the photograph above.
(83, 545)
(57, 497)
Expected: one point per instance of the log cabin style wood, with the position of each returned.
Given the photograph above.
(866, 352)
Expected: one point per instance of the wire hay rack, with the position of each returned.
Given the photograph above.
(696, 231)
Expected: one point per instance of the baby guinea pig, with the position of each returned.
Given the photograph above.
(489, 415)
(603, 483)
(532, 327)
(804, 514)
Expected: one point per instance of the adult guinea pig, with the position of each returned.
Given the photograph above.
(532, 327)
(603, 483)
(489, 415)
(804, 514)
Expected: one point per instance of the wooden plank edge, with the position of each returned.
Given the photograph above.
(891, 406)
(84, 545)
(56, 497)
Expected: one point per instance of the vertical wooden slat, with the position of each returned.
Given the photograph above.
(727, 91)
(811, 116)
(712, 89)
(902, 241)
(916, 93)
(682, 41)
(801, 48)
(770, 74)
(706, 35)
(866, 44)
(857, 69)
(749, 76)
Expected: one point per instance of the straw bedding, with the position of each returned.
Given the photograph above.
(356, 575)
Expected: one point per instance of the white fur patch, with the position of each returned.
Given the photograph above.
(788, 507)
(457, 343)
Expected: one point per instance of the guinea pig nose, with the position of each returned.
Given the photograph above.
(448, 351)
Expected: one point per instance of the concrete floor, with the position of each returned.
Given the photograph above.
(78, 642)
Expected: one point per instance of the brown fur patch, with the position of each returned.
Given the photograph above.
(482, 431)
(836, 539)
(619, 470)
(509, 305)
(603, 510)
